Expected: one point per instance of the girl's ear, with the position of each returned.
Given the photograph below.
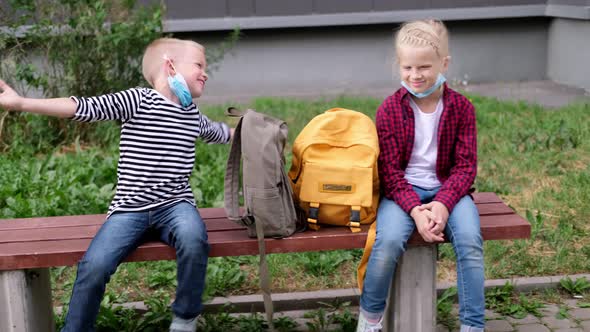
(446, 61)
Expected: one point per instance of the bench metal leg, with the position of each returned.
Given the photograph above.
(25, 301)
(411, 305)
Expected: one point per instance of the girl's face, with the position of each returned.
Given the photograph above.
(419, 66)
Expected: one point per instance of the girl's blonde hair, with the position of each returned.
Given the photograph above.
(155, 51)
(430, 33)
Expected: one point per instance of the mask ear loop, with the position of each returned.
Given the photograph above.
(166, 58)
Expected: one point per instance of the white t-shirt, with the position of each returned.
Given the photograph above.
(421, 170)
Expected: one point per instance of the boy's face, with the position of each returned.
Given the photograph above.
(192, 65)
(419, 66)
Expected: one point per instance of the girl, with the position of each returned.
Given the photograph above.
(427, 165)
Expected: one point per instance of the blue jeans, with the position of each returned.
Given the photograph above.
(178, 225)
(394, 227)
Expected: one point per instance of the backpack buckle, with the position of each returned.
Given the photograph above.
(248, 220)
(312, 220)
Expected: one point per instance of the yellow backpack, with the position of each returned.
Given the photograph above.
(334, 169)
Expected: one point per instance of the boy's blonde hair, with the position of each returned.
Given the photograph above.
(155, 51)
(429, 33)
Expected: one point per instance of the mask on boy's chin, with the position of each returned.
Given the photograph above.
(179, 87)
(440, 80)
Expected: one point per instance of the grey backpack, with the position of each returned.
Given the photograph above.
(259, 141)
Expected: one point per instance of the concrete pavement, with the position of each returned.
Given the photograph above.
(546, 93)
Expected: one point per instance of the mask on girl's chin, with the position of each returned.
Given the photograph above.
(180, 89)
(439, 81)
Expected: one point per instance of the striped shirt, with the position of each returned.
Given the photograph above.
(157, 145)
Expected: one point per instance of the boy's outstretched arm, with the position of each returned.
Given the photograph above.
(59, 107)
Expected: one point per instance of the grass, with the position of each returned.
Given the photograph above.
(536, 159)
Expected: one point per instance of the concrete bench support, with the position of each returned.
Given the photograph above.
(412, 295)
(25, 301)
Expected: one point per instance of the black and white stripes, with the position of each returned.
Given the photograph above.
(157, 147)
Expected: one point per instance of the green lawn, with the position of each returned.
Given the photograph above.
(535, 159)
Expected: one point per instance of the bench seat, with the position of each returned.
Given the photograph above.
(35, 244)
(59, 241)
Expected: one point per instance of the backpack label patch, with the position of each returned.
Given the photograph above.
(337, 188)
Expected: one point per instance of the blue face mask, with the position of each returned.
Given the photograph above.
(178, 86)
(439, 81)
(180, 89)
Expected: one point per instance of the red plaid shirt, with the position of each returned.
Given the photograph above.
(456, 162)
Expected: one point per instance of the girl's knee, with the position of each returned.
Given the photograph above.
(468, 246)
(389, 244)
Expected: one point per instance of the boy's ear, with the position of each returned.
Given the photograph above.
(168, 66)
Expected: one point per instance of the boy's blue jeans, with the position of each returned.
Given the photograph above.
(394, 227)
(178, 225)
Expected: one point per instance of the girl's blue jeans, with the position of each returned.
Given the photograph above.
(394, 227)
(178, 225)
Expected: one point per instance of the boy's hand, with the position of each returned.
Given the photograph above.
(440, 215)
(231, 133)
(424, 220)
(9, 99)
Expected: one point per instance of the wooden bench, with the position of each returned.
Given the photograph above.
(29, 246)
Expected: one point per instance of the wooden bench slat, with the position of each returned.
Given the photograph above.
(486, 197)
(84, 220)
(84, 231)
(229, 243)
(59, 241)
(216, 215)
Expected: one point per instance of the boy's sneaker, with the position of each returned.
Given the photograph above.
(364, 325)
(183, 325)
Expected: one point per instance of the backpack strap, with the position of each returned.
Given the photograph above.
(231, 187)
(264, 276)
(312, 219)
(232, 180)
(355, 219)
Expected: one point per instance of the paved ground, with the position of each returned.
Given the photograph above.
(578, 320)
(546, 93)
(565, 315)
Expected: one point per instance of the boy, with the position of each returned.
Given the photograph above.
(157, 154)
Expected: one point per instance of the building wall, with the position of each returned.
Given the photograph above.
(310, 46)
(568, 60)
(302, 47)
(358, 59)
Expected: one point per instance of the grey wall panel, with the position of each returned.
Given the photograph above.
(306, 61)
(241, 7)
(386, 5)
(569, 2)
(564, 65)
(517, 2)
(498, 50)
(180, 9)
(283, 7)
(342, 6)
(460, 3)
(361, 59)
